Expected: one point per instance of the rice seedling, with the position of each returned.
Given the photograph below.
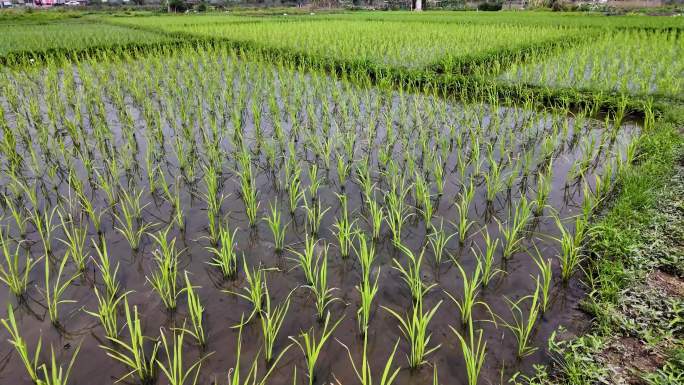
(93, 213)
(173, 369)
(16, 340)
(133, 354)
(543, 279)
(363, 371)
(344, 228)
(252, 375)
(474, 351)
(196, 312)
(438, 240)
(523, 325)
(255, 290)
(225, 256)
(570, 251)
(75, 241)
(312, 346)
(275, 224)
(414, 328)
(314, 181)
(513, 230)
(164, 280)
(322, 293)
(212, 197)
(295, 192)
(396, 208)
(486, 259)
(55, 374)
(107, 312)
(493, 180)
(44, 227)
(367, 292)
(272, 319)
(463, 206)
(104, 264)
(411, 274)
(376, 216)
(471, 290)
(12, 273)
(544, 183)
(314, 216)
(423, 199)
(173, 197)
(306, 259)
(19, 219)
(53, 292)
(130, 221)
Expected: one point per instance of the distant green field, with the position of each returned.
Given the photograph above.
(18, 39)
(634, 62)
(568, 19)
(390, 43)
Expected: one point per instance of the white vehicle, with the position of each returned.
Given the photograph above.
(72, 3)
(6, 4)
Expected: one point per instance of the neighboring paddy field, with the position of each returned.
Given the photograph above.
(631, 62)
(385, 43)
(206, 199)
(38, 38)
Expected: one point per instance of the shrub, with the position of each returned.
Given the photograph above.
(490, 6)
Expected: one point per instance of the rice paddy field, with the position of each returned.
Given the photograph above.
(185, 202)
(31, 39)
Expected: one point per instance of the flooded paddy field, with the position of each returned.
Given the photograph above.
(293, 204)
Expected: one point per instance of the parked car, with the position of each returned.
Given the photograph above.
(72, 3)
(6, 4)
